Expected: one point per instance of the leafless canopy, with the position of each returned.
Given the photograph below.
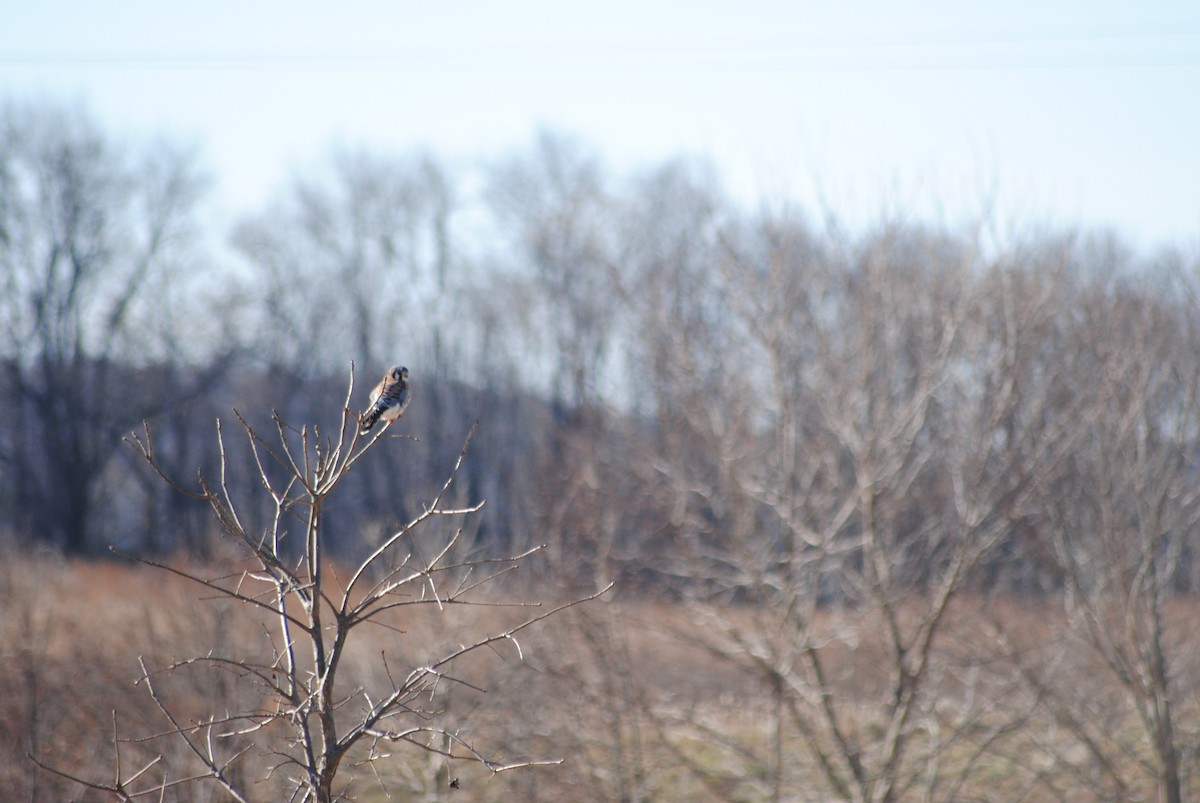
(308, 713)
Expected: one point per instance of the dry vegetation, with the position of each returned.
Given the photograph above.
(624, 692)
(907, 513)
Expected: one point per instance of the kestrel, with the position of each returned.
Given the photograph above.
(388, 399)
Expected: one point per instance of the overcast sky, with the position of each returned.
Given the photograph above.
(1075, 113)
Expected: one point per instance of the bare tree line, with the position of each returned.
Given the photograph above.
(849, 458)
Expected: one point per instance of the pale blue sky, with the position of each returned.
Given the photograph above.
(1076, 113)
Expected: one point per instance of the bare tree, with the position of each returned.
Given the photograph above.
(837, 480)
(1116, 522)
(370, 235)
(312, 712)
(85, 235)
(558, 212)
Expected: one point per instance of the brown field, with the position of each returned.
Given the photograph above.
(623, 692)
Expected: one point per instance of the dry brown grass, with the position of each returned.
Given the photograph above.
(623, 691)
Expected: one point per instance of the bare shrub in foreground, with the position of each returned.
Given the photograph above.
(307, 716)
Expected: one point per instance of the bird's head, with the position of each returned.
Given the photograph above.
(398, 373)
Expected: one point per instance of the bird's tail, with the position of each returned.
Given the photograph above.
(368, 419)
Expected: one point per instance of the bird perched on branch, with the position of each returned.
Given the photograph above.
(388, 399)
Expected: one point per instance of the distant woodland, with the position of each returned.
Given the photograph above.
(925, 499)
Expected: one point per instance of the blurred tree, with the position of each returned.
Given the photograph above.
(557, 219)
(1116, 521)
(86, 232)
(836, 481)
(369, 238)
(355, 262)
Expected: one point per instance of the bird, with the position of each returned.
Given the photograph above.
(388, 399)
